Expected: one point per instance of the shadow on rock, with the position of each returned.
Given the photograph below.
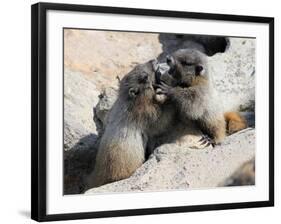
(209, 45)
(79, 161)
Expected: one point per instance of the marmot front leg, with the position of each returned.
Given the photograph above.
(215, 128)
(191, 104)
(188, 100)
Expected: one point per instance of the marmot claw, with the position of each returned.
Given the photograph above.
(206, 140)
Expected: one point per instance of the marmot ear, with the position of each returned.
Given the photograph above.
(133, 92)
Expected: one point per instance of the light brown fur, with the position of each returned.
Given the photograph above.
(230, 123)
(234, 122)
(216, 126)
(198, 80)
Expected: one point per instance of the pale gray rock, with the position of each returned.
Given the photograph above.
(106, 99)
(101, 56)
(233, 74)
(170, 167)
(80, 95)
(80, 133)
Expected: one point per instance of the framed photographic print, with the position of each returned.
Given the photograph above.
(139, 111)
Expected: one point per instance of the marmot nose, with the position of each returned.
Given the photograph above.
(168, 59)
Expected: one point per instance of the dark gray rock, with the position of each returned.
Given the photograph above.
(78, 163)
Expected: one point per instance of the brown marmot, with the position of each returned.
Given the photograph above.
(189, 87)
(133, 119)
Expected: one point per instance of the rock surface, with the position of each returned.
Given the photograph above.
(245, 175)
(233, 74)
(79, 97)
(171, 167)
(101, 56)
(80, 135)
(93, 60)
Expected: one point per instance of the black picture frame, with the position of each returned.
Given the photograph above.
(39, 107)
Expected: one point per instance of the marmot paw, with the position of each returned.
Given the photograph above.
(206, 141)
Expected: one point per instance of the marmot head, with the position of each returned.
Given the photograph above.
(186, 66)
(139, 81)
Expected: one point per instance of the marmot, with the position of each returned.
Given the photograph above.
(139, 120)
(133, 119)
(245, 175)
(187, 84)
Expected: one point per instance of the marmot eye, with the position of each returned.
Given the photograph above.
(198, 69)
(183, 63)
(143, 77)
